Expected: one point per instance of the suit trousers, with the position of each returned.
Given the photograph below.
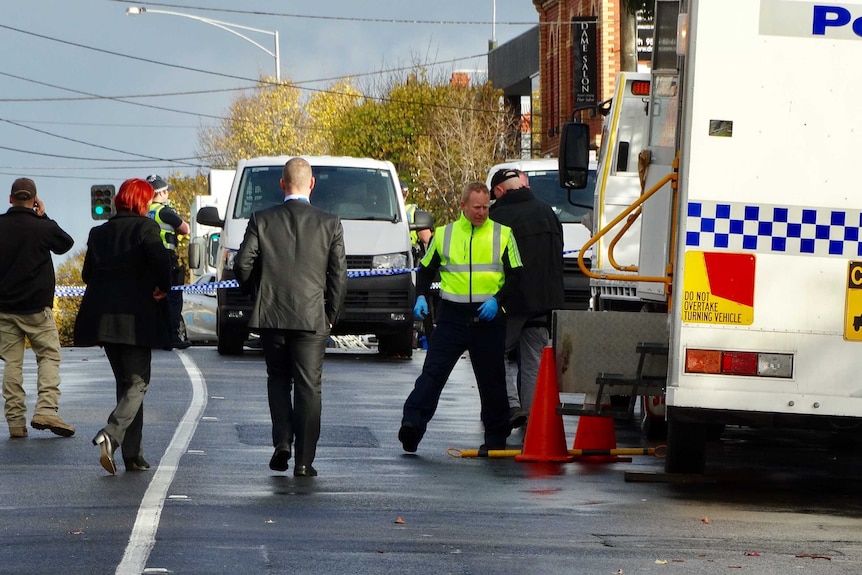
(294, 369)
(131, 365)
(41, 330)
(458, 330)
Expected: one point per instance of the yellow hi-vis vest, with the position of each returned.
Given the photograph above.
(165, 229)
(471, 259)
(411, 214)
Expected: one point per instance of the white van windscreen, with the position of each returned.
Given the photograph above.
(545, 185)
(348, 192)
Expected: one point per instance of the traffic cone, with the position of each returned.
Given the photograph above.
(545, 438)
(596, 433)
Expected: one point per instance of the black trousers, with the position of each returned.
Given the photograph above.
(131, 366)
(175, 300)
(294, 368)
(459, 330)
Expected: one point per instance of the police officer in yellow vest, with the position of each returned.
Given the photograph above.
(171, 225)
(479, 269)
(418, 239)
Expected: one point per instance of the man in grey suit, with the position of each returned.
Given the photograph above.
(292, 259)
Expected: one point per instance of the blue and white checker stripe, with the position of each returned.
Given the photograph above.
(788, 230)
(77, 291)
(71, 291)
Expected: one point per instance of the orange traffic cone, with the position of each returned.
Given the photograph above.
(545, 438)
(596, 433)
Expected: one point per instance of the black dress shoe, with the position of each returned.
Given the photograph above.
(279, 459)
(107, 446)
(304, 471)
(408, 435)
(181, 344)
(136, 464)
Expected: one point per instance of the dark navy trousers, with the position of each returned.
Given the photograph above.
(459, 330)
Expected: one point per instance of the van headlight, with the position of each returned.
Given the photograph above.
(389, 261)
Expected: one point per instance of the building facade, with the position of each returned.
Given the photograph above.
(580, 56)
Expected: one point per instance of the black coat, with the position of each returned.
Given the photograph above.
(540, 242)
(292, 259)
(26, 269)
(124, 264)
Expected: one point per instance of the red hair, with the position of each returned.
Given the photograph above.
(135, 196)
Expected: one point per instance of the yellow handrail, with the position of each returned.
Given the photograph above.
(672, 178)
(629, 223)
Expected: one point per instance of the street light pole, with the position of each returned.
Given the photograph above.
(227, 26)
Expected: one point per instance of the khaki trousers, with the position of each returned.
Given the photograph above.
(40, 329)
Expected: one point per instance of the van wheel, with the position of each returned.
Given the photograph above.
(686, 447)
(398, 344)
(230, 342)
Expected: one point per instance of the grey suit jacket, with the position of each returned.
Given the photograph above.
(292, 259)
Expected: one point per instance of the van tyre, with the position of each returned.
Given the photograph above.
(230, 342)
(686, 447)
(398, 345)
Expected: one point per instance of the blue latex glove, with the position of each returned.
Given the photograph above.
(420, 310)
(488, 310)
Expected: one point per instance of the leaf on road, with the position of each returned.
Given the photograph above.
(399, 521)
(705, 520)
(810, 556)
(752, 554)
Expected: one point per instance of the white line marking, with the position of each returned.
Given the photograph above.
(143, 535)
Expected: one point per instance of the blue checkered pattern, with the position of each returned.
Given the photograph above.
(774, 229)
(72, 291)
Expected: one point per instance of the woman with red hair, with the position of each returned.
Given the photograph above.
(128, 274)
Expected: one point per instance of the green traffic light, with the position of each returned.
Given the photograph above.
(99, 210)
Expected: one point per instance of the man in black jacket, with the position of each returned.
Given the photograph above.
(540, 240)
(26, 309)
(292, 258)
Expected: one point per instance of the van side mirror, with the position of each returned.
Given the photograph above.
(208, 216)
(195, 249)
(422, 220)
(574, 155)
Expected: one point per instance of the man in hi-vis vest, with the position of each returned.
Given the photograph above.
(171, 225)
(479, 269)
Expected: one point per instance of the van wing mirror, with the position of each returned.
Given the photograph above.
(195, 249)
(208, 216)
(574, 155)
(422, 220)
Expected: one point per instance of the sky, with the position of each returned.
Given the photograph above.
(91, 95)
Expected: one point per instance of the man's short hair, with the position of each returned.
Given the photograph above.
(297, 172)
(23, 189)
(473, 187)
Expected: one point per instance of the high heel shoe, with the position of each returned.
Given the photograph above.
(107, 446)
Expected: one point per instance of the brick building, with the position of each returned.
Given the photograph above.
(576, 42)
(590, 28)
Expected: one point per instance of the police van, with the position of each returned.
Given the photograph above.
(366, 195)
(751, 231)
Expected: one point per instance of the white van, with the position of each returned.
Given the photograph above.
(545, 185)
(366, 195)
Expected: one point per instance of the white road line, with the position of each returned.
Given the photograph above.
(143, 535)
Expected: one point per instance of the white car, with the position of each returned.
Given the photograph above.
(199, 313)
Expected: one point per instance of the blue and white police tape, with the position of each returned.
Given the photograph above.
(73, 291)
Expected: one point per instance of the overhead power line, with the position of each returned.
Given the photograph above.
(341, 18)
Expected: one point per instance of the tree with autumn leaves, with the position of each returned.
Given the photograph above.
(439, 134)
